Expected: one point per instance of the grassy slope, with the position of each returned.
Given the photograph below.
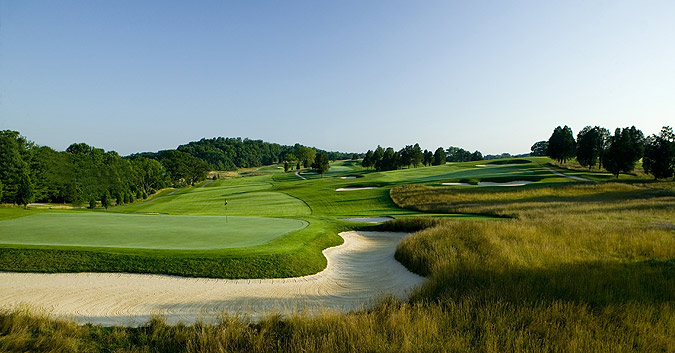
(268, 193)
(581, 268)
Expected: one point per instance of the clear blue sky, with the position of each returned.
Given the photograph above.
(495, 76)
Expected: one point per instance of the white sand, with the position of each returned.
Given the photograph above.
(499, 165)
(368, 219)
(358, 271)
(348, 177)
(488, 183)
(352, 188)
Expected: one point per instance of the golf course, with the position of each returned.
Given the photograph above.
(503, 242)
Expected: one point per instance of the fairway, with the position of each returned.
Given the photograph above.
(144, 231)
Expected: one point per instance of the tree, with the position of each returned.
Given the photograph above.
(589, 144)
(659, 154)
(456, 154)
(1, 187)
(321, 163)
(417, 155)
(623, 151)
(92, 202)
(377, 158)
(428, 157)
(367, 161)
(439, 156)
(476, 156)
(24, 192)
(119, 199)
(539, 149)
(405, 156)
(355, 156)
(561, 144)
(105, 200)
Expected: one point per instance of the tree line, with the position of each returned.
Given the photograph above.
(80, 174)
(412, 155)
(86, 174)
(617, 153)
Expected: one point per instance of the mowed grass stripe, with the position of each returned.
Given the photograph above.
(85, 229)
(251, 199)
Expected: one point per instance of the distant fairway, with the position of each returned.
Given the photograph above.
(143, 231)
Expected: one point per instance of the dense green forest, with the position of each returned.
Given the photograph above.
(84, 174)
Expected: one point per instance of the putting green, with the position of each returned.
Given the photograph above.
(143, 231)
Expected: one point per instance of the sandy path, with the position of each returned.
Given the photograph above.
(490, 183)
(567, 175)
(358, 271)
(354, 188)
(300, 176)
(368, 219)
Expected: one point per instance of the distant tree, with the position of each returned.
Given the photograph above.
(1, 187)
(637, 141)
(539, 149)
(604, 140)
(304, 154)
(92, 202)
(105, 200)
(355, 156)
(119, 199)
(623, 151)
(321, 163)
(297, 166)
(378, 155)
(128, 198)
(25, 190)
(456, 154)
(589, 146)
(561, 144)
(367, 161)
(286, 167)
(428, 157)
(659, 154)
(389, 160)
(405, 156)
(439, 156)
(476, 156)
(145, 195)
(417, 155)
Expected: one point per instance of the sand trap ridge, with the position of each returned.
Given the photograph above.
(489, 183)
(368, 219)
(352, 188)
(498, 165)
(358, 271)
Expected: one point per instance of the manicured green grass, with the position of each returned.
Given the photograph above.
(268, 193)
(579, 268)
(143, 231)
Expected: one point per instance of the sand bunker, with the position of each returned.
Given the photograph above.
(358, 271)
(352, 188)
(498, 165)
(348, 177)
(489, 183)
(368, 219)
